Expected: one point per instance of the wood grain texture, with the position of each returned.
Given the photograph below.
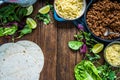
(53, 38)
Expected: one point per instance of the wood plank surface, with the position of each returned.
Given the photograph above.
(53, 39)
(59, 59)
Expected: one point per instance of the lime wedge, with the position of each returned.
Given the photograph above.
(31, 23)
(29, 10)
(44, 10)
(97, 48)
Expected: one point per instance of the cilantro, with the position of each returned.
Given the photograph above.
(45, 18)
(106, 72)
(93, 57)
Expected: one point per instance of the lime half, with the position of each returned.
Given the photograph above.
(44, 10)
(31, 23)
(97, 48)
(29, 10)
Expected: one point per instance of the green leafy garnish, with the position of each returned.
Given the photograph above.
(106, 72)
(93, 57)
(12, 12)
(44, 17)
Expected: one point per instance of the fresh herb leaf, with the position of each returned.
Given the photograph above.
(44, 17)
(93, 57)
(12, 12)
(112, 75)
(106, 72)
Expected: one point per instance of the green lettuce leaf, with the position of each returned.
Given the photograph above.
(1, 31)
(10, 30)
(85, 70)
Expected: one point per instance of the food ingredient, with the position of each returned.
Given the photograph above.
(97, 48)
(45, 18)
(93, 57)
(107, 73)
(112, 54)
(85, 70)
(44, 10)
(100, 17)
(84, 38)
(12, 12)
(10, 21)
(25, 54)
(24, 31)
(31, 23)
(75, 45)
(29, 10)
(35, 51)
(8, 30)
(69, 9)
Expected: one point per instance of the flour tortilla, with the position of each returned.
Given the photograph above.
(22, 76)
(14, 49)
(4, 47)
(19, 66)
(34, 50)
(23, 60)
(10, 49)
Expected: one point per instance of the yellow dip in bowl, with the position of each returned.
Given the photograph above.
(112, 54)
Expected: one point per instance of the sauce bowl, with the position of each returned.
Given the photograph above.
(112, 54)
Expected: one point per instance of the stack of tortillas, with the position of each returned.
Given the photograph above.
(22, 60)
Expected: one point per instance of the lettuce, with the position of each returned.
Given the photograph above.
(85, 70)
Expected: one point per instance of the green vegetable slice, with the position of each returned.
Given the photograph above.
(29, 10)
(75, 45)
(31, 23)
(97, 48)
(44, 10)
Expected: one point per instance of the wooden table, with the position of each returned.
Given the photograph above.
(53, 38)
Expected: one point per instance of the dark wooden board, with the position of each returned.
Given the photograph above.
(53, 39)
